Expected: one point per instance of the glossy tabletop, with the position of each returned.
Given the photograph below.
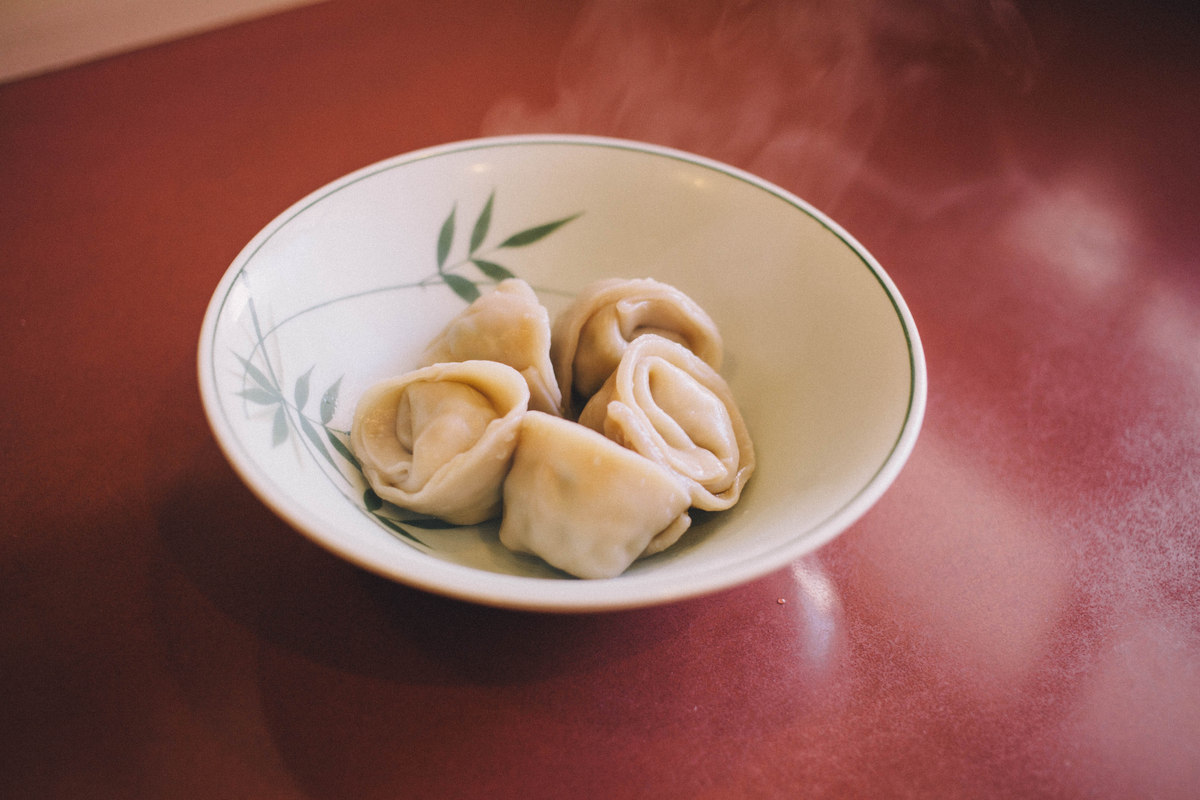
(1019, 616)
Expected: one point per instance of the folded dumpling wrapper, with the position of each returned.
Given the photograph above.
(586, 505)
(589, 336)
(509, 325)
(439, 440)
(669, 405)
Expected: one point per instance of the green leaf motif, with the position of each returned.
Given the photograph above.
(329, 401)
(462, 287)
(262, 386)
(342, 449)
(395, 526)
(261, 396)
(531, 235)
(480, 231)
(301, 393)
(257, 375)
(315, 438)
(445, 237)
(493, 270)
(372, 501)
(279, 428)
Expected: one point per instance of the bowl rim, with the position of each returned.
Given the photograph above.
(553, 595)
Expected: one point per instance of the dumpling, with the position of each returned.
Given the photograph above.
(508, 325)
(439, 440)
(589, 336)
(666, 403)
(585, 504)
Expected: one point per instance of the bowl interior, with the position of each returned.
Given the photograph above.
(344, 289)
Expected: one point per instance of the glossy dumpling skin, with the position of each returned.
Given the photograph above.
(507, 325)
(586, 505)
(672, 407)
(439, 440)
(589, 336)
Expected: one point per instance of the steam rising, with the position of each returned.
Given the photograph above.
(889, 114)
(806, 88)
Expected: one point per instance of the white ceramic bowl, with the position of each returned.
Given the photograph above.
(344, 289)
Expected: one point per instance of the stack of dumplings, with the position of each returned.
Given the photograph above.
(591, 439)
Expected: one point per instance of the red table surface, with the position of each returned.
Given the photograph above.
(1017, 617)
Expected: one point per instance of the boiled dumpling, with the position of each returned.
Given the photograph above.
(590, 335)
(669, 405)
(508, 325)
(585, 504)
(439, 440)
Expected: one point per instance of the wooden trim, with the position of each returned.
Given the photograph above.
(39, 36)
